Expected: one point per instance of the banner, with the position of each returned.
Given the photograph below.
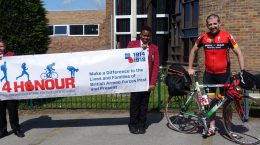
(74, 74)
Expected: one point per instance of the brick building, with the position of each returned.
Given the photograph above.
(77, 30)
(177, 26)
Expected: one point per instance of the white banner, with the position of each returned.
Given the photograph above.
(74, 74)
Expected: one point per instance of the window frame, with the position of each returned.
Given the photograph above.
(68, 30)
(76, 25)
(54, 28)
(157, 16)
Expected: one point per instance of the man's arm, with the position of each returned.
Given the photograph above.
(193, 52)
(240, 57)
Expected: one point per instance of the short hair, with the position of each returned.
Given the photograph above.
(212, 16)
(147, 28)
(2, 40)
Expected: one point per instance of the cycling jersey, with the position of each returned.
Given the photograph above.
(216, 50)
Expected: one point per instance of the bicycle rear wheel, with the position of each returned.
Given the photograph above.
(44, 76)
(181, 113)
(238, 127)
(54, 75)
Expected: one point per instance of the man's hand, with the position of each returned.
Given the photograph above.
(191, 71)
(241, 76)
(151, 87)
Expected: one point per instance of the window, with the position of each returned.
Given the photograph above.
(162, 24)
(91, 29)
(123, 25)
(128, 25)
(195, 15)
(191, 14)
(141, 22)
(187, 16)
(184, 29)
(76, 29)
(162, 43)
(141, 4)
(60, 30)
(162, 6)
(123, 7)
(50, 30)
(122, 41)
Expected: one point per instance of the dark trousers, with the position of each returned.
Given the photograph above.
(138, 108)
(12, 107)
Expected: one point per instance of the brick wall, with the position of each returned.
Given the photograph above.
(109, 22)
(79, 43)
(242, 19)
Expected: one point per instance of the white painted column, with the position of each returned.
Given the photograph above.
(133, 20)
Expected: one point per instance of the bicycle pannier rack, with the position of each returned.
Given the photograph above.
(251, 80)
(177, 80)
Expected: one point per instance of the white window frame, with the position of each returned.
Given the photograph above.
(68, 30)
(133, 19)
(54, 27)
(123, 17)
(157, 16)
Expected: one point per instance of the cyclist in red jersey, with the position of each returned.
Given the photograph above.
(216, 44)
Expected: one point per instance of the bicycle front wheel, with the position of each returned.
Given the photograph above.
(240, 128)
(181, 113)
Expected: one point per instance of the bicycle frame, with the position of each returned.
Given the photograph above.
(219, 102)
(208, 113)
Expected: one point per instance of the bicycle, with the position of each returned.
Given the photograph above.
(47, 74)
(190, 113)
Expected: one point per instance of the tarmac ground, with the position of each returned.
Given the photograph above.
(102, 127)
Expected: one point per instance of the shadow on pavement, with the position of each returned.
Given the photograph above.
(46, 121)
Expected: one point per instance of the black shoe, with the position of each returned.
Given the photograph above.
(133, 129)
(142, 130)
(19, 133)
(3, 134)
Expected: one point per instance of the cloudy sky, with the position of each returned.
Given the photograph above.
(57, 5)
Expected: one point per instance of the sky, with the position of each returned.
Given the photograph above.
(61, 5)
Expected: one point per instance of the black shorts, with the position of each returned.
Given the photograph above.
(210, 78)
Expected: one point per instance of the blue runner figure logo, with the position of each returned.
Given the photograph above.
(50, 72)
(72, 70)
(4, 70)
(24, 72)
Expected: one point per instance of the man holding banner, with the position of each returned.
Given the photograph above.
(139, 100)
(11, 105)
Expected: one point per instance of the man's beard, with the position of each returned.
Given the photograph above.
(214, 33)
